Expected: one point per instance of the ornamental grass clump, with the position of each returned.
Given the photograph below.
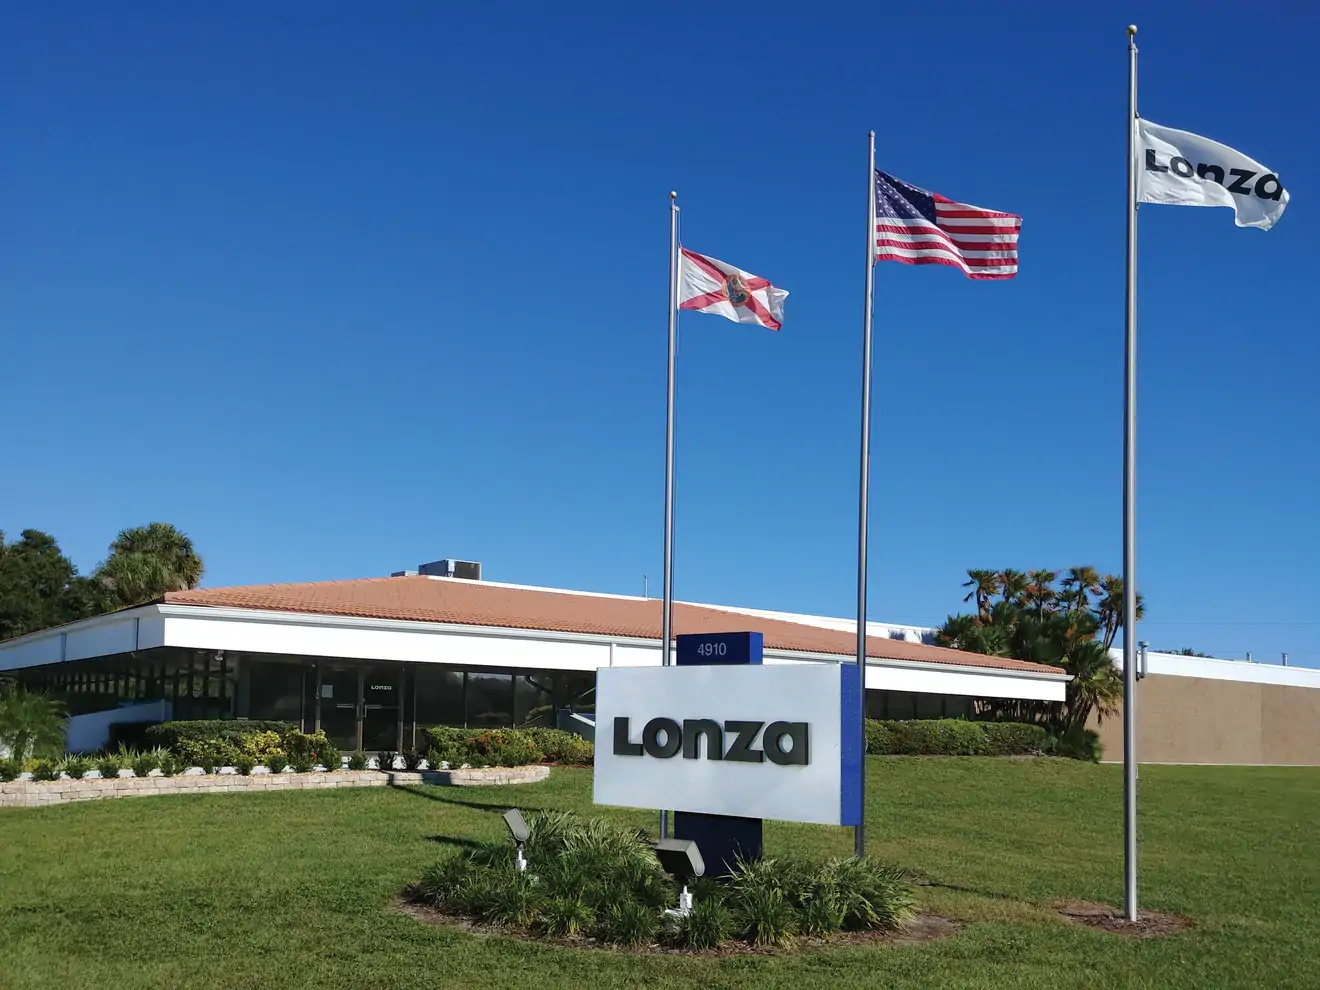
(109, 766)
(592, 878)
(76, 766)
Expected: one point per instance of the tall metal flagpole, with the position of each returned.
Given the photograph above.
(863, 494)
(667, 606)
(1129, 510)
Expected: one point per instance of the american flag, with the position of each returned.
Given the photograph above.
(923, 228)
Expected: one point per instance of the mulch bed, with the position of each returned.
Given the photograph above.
(1149, 924)
(921, 929)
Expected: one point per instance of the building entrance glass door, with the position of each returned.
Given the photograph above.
(380, 708)
(340, 706)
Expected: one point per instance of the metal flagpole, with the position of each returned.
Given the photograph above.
(1129, 509)
(667, 606)
(863, 493)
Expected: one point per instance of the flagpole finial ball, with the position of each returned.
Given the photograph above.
(673, 195)
(1132, 30)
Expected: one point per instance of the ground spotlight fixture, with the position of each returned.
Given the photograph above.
(521, 833)
(681, 859)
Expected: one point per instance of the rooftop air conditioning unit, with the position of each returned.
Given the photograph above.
(469, 570)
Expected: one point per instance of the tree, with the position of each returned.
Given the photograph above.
(984, 584)
(1041, 624)
(1012, 584)
(36, 582)
(31, 723)
(146, 562)
(1110, 607)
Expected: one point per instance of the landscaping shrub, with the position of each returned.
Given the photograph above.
(305, 748)
(44, 770)
(588, 875)
(129, 735)
(385, 759)
(301, 764)
(171, 734)
(1013, 738)
(9, 770)
(953, 737)
(75, 766)
(276, 762)
(245, 765)
(481, 747)
(145, 763)
(412, 760)
(707, 925)
(109, 766)
(357, 761)
(562, 747)
(1078, 743)
(331, 757)
(168, 764)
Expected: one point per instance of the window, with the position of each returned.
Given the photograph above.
(534, 700)
(438, 697)
(489, 700)
(277, 691)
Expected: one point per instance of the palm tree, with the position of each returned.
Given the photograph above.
(1079, 584)
(1110, 608)
(983, 583)
(1012, 584)
(145, 563)
(1095, 686)
(1039, 592)
(31, 723)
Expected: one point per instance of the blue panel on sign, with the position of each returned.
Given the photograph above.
(850, 729)
(698, 649)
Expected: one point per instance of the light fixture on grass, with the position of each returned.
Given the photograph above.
(521, 833)
(681, 859)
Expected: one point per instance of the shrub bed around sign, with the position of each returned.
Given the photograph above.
(505, 747)
(591, 878)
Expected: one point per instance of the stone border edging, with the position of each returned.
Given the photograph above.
(43, 793)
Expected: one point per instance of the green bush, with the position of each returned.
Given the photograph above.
(305, 748)
(75, 766)
(245, 765)
(357, 761)
(564, 748)
(9, 770)
(331, 757)
(953, 737)
(170, 734)
(591, 875)
(708, 924)
(1013, 738)
(385, 759)
(412, 760)
(109, 766)
(45, 770)
(481, 747)
(276, 762)
(1078, 743)
(144, 763)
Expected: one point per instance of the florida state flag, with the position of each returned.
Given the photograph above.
(710, 286)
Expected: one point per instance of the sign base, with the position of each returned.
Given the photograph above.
(722, 839)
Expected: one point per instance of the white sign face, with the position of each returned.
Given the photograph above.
(781, 741)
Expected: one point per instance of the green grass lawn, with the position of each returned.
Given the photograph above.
(293, 889)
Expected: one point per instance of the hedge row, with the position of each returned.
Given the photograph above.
(244, 742)
(954, 737)
(505, 747)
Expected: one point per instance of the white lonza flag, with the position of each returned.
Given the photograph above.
(710, 286)
(1184, 169)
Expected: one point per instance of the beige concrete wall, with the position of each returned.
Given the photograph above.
(1200, 720)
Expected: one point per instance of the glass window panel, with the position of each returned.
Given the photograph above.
(902, 705)
(438, 694)
(576, 690)
(930, 706)
(534, 700)
(277, 691)
(489, 700)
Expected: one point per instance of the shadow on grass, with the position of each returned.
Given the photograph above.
(456, 840)
(433, 794)
(922, 881)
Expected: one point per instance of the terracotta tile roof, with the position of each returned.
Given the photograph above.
(423, 599)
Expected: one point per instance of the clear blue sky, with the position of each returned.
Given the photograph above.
(338, 290)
